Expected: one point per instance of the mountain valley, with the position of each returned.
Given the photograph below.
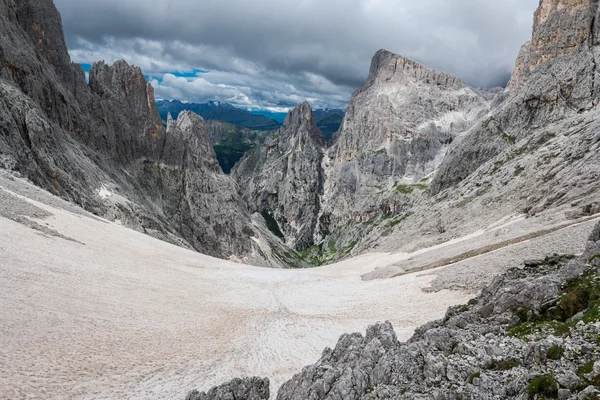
(152, 248)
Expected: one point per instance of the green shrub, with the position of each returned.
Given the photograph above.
(545, 385)
(504, 365)
(474, 376)
(555, 352)
(586, 368)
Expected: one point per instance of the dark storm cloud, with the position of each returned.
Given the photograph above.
(273, 53)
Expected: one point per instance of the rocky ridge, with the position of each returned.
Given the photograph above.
(283, 179)
(422, 159)
(554, 79)
(395, 134)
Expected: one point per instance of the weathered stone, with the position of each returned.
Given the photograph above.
(283, 179)
(237, 389)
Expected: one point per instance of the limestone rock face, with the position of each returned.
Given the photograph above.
(242, 389)
(197, 198)
(138, 132)
(556, 77)
(396, 132)
(283, 179)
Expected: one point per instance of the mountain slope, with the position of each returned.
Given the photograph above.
(549, 310)
(231, 142)
(328, 121)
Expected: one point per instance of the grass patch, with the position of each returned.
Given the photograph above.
(544, 385)
(555, 352)
(504, 365)
(474, 376)
(408, 189)
(469, 199)
(325, 253)
(586, 368)
(509, 138)
(580, 295)
(519, 170)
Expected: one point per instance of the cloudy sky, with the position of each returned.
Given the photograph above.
(273, 54)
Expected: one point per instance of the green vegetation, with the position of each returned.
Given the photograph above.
(398, 220)
(232, 144)
(504, 365)
(272, 224)
(474, 376)
(544, 385)
(325, 253)
(555, 352)
(509, 138)
(586, 368)
(519, 170)
(581, 297)
(408, 189)
(469, 199)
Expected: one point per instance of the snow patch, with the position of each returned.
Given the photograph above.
(104, 193)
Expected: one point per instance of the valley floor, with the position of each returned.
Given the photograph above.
(90, 309)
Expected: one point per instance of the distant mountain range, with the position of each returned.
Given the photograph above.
(328, 120)
(218, 111)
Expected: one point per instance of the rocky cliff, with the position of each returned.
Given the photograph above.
(421, 158)
(283, 179)
(395, 134)
(103, 145)
(555, 79)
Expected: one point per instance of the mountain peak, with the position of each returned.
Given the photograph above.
(387, 66)
(301, 115)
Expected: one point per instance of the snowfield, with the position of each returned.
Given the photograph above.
(90, 309)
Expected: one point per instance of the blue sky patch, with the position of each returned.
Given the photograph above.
(188, 74)
(86, 67)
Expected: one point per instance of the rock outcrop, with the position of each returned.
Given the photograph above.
(555, 78)
(102, 145)
(283, 179)
(241, 389)
(394, 136)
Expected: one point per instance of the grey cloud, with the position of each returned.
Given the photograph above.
(318, 49)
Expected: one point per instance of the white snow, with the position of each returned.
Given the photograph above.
(128, 316)
(104, 192)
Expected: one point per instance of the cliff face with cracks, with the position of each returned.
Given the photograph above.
(555, 78)
(283, 179)
(395, 134)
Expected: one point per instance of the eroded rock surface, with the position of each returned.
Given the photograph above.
(283, 179)
(237, 389)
